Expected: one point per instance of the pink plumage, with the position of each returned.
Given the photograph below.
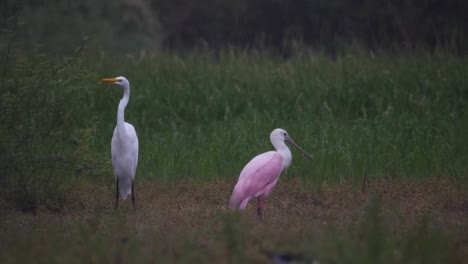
(261, 174)
(257, 178)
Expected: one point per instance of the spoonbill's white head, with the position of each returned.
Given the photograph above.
(279, 136)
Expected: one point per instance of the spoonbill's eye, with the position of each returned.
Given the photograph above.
(285, 134)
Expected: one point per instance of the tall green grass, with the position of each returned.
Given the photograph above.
(202, 116)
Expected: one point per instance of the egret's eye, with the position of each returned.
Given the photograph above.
(284, 134)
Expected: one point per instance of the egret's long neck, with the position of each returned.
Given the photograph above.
(284, 151)
(121, 110)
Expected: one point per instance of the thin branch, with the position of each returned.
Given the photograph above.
(10, 44)
(56, 71)
(44, 81)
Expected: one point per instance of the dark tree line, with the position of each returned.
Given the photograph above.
(279, 25)
(326, 24)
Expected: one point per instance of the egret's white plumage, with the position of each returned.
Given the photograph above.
(124, 147)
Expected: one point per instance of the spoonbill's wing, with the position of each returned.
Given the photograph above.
(257, 178)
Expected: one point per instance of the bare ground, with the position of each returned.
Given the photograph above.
(190, 222)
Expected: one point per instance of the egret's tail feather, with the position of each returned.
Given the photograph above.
(124, 195)
(125, 188)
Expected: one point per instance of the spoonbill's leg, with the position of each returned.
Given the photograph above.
(260, 204)
(116, 193)
(133, 198)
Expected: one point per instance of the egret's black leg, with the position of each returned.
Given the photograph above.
(133, 198)
(116, 193)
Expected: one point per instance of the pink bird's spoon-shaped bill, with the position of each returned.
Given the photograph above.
(290, 141)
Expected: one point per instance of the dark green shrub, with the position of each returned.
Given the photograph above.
(43, 147)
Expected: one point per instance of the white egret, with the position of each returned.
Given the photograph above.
(124, 147)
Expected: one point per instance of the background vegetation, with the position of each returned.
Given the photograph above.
(377, 116)
(281, 25)
(378, 93)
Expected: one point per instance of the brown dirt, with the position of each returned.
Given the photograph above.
(185, 209)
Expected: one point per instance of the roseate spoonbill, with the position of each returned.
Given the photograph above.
(261, 174)
(124, 146)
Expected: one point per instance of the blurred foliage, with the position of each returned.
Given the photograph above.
(55, 26)
(327, 25)
(41, 147)
(281, 25)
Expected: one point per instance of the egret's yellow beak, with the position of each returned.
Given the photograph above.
(109, 80)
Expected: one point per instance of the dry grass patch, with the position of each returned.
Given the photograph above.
(190, 222)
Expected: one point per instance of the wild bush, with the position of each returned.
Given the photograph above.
(43, 149)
